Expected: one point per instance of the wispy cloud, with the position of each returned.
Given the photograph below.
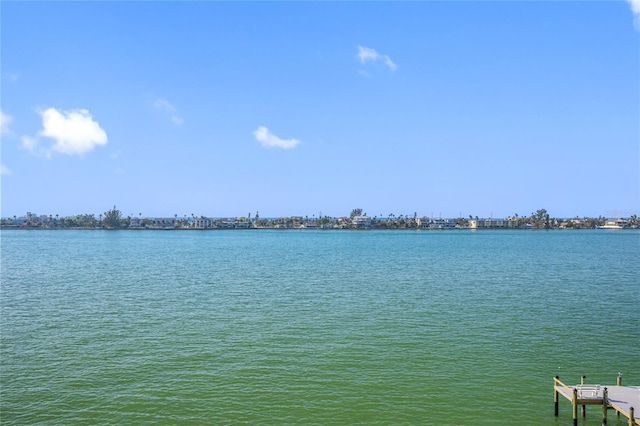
(4, 170)
(11, 77)
(635, 8)
(169, 110)
(5, 120)
(366, 54)
(269, 140)
(31, 145)
(74, 133)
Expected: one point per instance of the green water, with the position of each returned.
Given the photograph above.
(313, 327)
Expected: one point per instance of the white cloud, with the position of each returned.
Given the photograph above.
(5, 120)
(390, 64)
(635, 8)
(269, 140)
(366, 54)
(30, 144)
(74, 132)
(168, 109)
(4, 170)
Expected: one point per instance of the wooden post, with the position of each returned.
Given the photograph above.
(604, 406)
(631, 417)
(555, 398)
(583, 380)
(574, 407)
(618, 383)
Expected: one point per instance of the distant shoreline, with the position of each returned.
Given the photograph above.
(114, 219)
(460, 229)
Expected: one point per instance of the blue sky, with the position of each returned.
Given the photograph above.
(301, 108)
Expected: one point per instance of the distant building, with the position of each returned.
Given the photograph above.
(361, 222)
(164, 223)
(204, 223)
(578, 223)
(35, 219)
(614, 224)
(233, 224)
(492, 224)
(438, 223)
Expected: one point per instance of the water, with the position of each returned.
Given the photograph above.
(313, 327)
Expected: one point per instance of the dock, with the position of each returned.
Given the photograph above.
(621, 399)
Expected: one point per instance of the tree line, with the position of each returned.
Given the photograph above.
(114, 219)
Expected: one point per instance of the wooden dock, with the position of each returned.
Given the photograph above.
(621, 399)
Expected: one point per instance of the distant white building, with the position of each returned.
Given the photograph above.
(492, 224)
(614, 224)
(361, 222)
(204, 223)
(438, 223)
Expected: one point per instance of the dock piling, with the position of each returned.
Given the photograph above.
(583, 380)
(574, 406)
(618, 383)
(555, 397)
(632, 418)
(605, 406)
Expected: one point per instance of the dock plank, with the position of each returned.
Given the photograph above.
(622, 398)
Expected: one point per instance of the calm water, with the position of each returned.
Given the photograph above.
(313, 327)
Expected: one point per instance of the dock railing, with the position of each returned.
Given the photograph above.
(556, 393)
(581, 394)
